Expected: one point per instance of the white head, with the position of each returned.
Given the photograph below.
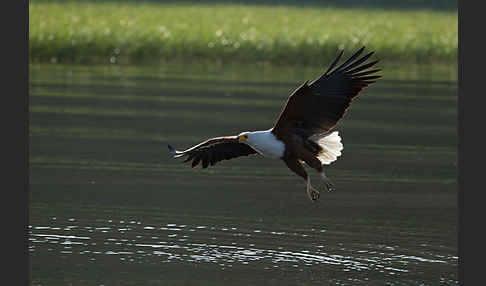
(264, 142)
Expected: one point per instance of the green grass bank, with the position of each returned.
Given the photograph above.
(127, 32)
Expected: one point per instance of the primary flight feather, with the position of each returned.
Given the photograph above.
(302, 132)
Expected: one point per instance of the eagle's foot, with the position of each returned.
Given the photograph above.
(328, 186)
(312, 193)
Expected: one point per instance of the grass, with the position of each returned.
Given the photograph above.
(127, 32)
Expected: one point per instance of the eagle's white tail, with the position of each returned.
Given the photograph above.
(331, 147)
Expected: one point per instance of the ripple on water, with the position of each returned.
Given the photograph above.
(271, 248)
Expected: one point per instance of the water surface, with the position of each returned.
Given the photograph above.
(108, 206)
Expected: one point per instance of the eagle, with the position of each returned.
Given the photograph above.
(303, 133)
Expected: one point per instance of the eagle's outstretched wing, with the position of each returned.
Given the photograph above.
(214, 150)
(315, 108)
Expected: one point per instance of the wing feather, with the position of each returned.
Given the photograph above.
(213, 151)
(366, 72)
(363, 67)
(352, 58)
(316, 108)
(360, 61)
(334, 62)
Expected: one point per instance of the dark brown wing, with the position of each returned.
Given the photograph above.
(314, 109)
(214, 150)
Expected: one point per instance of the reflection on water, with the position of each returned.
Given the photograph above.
(227, 246)
(108, 206)
(133, 241)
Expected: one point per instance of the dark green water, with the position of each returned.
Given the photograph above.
(108, 206)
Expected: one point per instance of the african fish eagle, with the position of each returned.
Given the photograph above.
(302, 132)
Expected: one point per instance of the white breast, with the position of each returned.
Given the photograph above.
(266, 144)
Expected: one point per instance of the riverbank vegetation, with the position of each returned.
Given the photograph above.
(129, 32)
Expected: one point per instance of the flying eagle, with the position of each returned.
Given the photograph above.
(302, 132)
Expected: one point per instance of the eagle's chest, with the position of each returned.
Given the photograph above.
(265, 143)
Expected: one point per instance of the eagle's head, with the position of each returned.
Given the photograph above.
(243, 137)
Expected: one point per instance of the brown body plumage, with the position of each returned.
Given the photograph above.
(310, 112)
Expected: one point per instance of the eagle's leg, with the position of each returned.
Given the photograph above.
(314, 163)
(312, 193)
(298, 168)
(328, 185)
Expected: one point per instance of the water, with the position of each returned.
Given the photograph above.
(108, 206)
